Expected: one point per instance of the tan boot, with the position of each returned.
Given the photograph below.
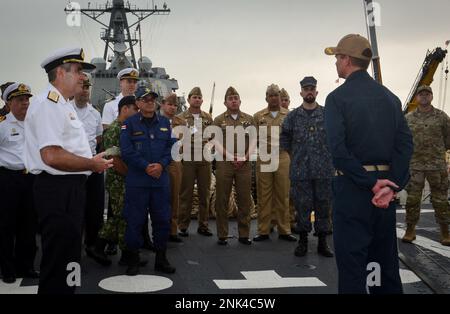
(410, 234)
(445, 238)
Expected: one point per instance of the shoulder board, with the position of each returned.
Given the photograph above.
(53, 96)
(2, 118)
(110, 99)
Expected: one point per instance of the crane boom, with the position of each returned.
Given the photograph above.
(425, 76)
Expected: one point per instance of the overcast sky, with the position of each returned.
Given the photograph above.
(248, 44)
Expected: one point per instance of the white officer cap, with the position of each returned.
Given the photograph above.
(66, 55)
(128, 73)
(16, 89)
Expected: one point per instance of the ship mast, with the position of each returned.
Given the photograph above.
(117, 35)
(371, 18)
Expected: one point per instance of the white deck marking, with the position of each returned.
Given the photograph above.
(427, 244)
(15, 288)
(408, 276)
(267, 279)
(135, 284)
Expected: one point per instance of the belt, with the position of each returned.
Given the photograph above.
(369, 168)
(23, 171)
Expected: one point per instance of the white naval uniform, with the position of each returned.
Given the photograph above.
(11, 143)
(92, 123)
(53, 124)
(111, 110)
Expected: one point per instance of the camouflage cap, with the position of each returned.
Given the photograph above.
(171, 99)
(424, 87)
(272, 89)
(284, 94)
(195, 91)
(352, 45)
(231, 91)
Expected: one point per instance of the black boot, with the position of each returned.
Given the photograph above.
(302, 247)
(133, 262)
(323, 248)
(162, 264)
(97, 252)
(125, 259)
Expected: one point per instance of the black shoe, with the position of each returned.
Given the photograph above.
(183, 233)
(125, 260)
(323, 248)
(302, 247)
(9, 279)
(205, 232)
(29, 273)
(162, 264)
(97, 252)
(222, 241)
(287, 237)
(133, 263)
(111, 249)
(245, 241)
(174, 238)
(261, 237)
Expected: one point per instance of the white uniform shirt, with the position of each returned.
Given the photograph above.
(53, 124)
(111, 110)
(92, 123)
(12, 139)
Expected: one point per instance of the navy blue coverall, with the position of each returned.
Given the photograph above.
(144, 141)
(365, 126)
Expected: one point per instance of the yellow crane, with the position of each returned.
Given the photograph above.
(425, 76)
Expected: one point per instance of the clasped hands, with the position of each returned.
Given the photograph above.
(154, 170)
(383, 193)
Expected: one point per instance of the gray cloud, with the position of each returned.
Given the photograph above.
(245, 43)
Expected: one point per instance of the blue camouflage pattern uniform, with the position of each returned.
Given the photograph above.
(366, 127)
(303, 136)
(144, 141)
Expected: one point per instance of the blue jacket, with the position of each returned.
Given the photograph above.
(365, 126)
(143, 142)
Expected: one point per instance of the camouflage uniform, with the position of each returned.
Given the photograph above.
(303, 136)
(431, 135)
(114, 228)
